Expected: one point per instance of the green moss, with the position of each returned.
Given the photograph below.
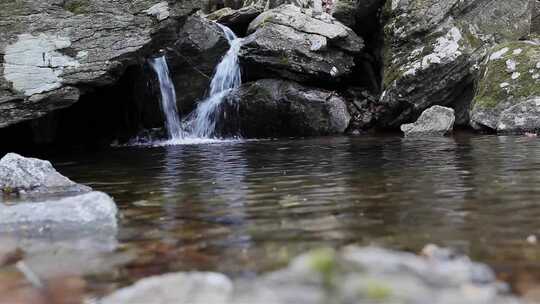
(77, 7)
(284, 60)
(377, 291)
(489, 92)
(324, 262)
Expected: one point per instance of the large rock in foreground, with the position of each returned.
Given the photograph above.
(354, 275)
(509, 89)
(31, 175)
(273, 108)
(38, 202)
(84, 214)
(54, 50)
(433, 48)
(435, 121)
(290, 43)
(192, 288)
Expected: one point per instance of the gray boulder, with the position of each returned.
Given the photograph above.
(18, 174)
(352, 275)
(291, 43)
(90, 213)
(272, 108)
(192, 59)
(508, 89)
(437, 121)
(433, 49)
(52, 51)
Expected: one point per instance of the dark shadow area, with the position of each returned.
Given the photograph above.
(100, 118)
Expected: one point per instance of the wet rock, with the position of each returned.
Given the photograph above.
(352, 275)
(507, 92)
(433, 48)
(92, 212)
(198, 49)
(18, 174)
(270, 108)
(436, 120)
(237, 20)
(192, 288)
(291, 43)
(53, 51)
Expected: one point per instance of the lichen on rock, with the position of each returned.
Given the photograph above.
(510, 75)
(432, 49)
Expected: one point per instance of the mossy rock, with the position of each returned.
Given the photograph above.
(77, 7)
(511, 74)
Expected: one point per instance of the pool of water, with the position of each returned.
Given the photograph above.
(247, 207)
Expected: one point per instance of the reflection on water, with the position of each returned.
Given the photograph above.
(246, 207)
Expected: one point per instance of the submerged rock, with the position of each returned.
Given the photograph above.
(291, 43)
(436, 120)
(89, 212)
(509, 89)
(433, 48)
(271, 108)
(18, 174)
(52, 51)
(352, 275)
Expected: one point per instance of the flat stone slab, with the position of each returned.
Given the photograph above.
(81, 214)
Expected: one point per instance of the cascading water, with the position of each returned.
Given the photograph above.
(168, 98)
(202, 123)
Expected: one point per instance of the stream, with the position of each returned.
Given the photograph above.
(246, 207)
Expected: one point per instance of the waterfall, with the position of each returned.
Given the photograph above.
(168, 98)
(202, 122)
(200, 125)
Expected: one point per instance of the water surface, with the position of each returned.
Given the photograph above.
(248, 207)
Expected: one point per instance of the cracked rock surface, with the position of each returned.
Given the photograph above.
(51, 51)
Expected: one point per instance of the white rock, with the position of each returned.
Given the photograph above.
(159, 10)
(33, 64)
(18, 173)
(436, 120)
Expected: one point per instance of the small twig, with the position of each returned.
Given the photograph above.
(29, 274)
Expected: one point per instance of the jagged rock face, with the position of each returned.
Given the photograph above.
(432, 49)
(435, 121)
(273, 108)
(53, 49)
(290, 43)
(509, 89)
(193, 58)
